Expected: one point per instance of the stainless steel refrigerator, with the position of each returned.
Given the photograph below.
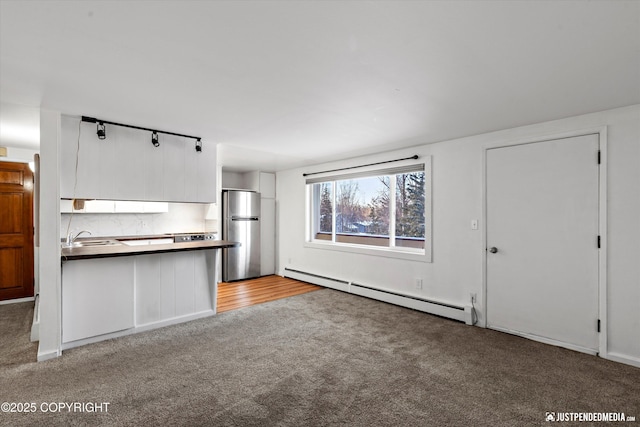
(241, 223)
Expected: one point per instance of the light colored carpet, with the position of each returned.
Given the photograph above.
(15, 330)
(322, 358)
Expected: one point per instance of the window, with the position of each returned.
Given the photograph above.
(384, 209)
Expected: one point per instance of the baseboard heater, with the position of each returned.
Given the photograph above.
(462, 314)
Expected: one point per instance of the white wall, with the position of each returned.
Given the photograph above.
(19, 128)
(181, 218)
(457, 267)
(49, 264)
(19, 154)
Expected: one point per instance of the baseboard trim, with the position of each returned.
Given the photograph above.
(137, 329)
(48, 355)
(17, 300)
(545, 340)
(621, 358)
(35, 325)
(438, 308)
(173, 321)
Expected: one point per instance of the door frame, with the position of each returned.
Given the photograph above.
(32, 219)
(602, 223)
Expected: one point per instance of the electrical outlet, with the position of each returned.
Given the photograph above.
(474, 224)
(473, 297)
(418, 283)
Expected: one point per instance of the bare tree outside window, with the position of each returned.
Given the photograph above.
(379, 209)
(349, 211)
(363, 210)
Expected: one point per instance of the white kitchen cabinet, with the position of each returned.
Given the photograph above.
(153, 167)
(107, 165)
(174, 168)
(67, 157)
(261, 182)
(97, 297)
(207, 173)
(185, 288)
(204, 280)
(267, 237)
(104, 167)
(127, 148)
(149, 273)
(126, 166)
(267, 185)
(167, 286)
(252, 181)
(190, 171)
(268, 223)
(80, 166)
(173, 285)
(234, 181)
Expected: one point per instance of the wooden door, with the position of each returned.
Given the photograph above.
(542, 238)
(16, 231)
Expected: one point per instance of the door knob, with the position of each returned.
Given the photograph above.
(493, 250)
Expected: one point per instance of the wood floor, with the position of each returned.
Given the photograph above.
(234, 295)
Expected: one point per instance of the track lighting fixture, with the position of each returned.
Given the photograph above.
(101, 131)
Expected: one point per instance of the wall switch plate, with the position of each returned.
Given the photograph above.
(418, 283)
(474, 224)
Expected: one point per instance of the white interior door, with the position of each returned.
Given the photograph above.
(542, 219)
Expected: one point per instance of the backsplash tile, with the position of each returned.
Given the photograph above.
(181, 218)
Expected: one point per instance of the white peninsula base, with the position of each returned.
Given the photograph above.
(104, 298)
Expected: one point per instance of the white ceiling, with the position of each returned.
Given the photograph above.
(282, 84)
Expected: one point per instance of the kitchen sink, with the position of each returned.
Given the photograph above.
(89, 243)
(141, 242)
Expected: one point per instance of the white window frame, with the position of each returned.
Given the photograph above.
(388, 252)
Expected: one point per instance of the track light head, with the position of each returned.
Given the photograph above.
(154, 139)
(198, 145)
(101, 131)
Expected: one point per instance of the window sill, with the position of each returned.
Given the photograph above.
(405, 254)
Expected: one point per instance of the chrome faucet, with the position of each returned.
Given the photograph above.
(71, 238)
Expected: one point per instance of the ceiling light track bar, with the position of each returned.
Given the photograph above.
(94, 120)
(414, 157)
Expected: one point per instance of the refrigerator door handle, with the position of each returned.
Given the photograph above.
(239, 218)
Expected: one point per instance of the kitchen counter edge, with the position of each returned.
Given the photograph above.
(70, 254)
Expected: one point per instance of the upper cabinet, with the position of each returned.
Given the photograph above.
(126, 165)
(262, 182)
(267, 185)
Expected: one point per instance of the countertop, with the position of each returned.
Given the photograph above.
(121, 249)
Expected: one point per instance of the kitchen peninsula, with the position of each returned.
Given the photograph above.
(115, 286)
